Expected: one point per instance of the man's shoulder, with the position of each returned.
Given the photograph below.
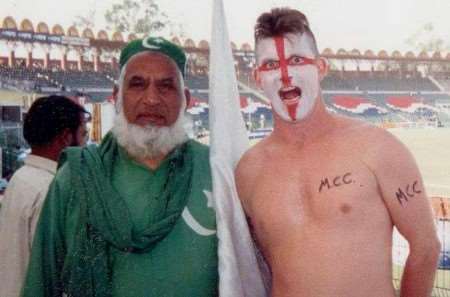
(253, 160)
(27, 187)
(362, 132)
(374, 136)
(27, 178)
(21, 187)
(376, 145)
(21, 175)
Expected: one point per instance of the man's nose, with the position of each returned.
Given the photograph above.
(286, 79)
(152, 96)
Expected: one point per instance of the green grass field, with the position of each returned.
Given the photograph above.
(431, 149)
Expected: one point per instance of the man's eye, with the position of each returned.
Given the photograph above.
(136, 84)
(296, 61)
(269, 65)
(166, 87)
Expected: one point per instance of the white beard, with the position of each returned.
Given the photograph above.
(150, 141)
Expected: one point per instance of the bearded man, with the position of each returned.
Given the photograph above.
(133, 216)
(323, 192)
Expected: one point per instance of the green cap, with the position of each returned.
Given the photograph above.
(154, 44)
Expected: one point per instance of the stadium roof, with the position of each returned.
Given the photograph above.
(117, 39)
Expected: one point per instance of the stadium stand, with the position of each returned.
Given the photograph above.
(389, 90)
(357, 105)
(376, 82)
(351, 90)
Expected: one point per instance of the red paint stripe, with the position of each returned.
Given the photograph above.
(292, 110)
(279, 43)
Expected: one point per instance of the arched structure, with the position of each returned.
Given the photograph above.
(189, 43)
(42, 28)
(73, 32)
(396, 54)
(117, 36)
(58, 30)
(26, 25)
(383, 54)
(131, 37)
(327, 52)
(102, 35)
(341, 52)
(87, 33)
(9, 23)
(369, 54)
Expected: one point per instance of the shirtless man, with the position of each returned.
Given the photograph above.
(323, 192)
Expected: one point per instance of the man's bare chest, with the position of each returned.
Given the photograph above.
(319, 190)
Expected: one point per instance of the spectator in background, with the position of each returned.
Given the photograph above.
(51, 124)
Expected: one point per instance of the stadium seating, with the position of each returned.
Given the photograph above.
(378, 96)
(81, 79)
(27, 79)
(376, 82)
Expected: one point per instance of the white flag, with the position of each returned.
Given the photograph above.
(239, 273)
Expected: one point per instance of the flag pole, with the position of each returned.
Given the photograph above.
(239, 273)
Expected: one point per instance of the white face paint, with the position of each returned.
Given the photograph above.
(291, 83)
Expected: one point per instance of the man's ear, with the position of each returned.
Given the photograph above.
(115, 93)
(187, 94)
(115, 98)
(323, 65)
(65, 138)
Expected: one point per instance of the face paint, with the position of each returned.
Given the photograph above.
(285, 78)
(289, 76)
(279, 43)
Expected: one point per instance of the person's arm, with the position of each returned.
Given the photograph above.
(45, 267)
(410, 209)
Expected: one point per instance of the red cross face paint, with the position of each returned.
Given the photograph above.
(289, 76)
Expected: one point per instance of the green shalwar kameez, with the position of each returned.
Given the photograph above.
(132, 238)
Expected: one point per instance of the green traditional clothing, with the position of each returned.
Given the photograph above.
(112, 227)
